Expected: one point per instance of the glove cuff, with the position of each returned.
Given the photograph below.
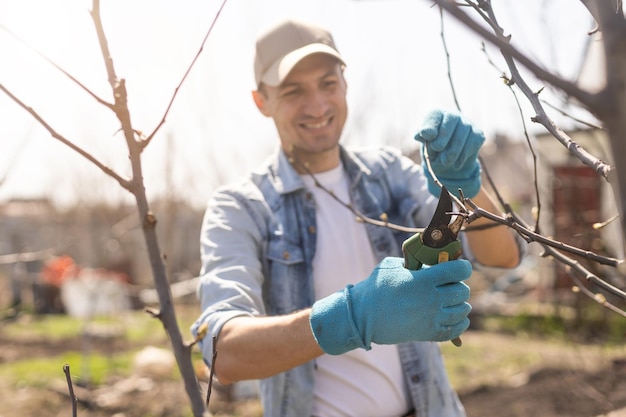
(333, 325)
(470, 185)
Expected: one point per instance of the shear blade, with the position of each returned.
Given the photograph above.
(438, 234)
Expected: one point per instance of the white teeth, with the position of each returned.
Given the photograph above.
(316, 125)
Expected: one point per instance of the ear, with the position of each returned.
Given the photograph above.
(261, 102)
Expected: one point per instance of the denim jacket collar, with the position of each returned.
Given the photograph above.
(283, 176)
(285, 179)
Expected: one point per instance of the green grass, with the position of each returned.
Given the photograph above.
(530, 341)
(594, 324)
(92, 369)
(547, 326)
(137, 328)
(55, 327)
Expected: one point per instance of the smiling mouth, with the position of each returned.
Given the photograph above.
(318, 125)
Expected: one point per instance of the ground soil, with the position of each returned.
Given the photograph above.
(565, 384)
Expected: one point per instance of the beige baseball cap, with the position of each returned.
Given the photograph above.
(282, 46)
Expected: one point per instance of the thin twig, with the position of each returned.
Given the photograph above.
(70, 387)
(590, 100)
(359, 216)
(458, 201)
(123, 182)
(602, 168)
(509, 83)
(448, 66)
(601, 225)
(552, 248)
(509, 52)
(572, 117)
(549, 245)
(599, 298)
(58, 67)
(532, 236)
(211, 371)
(148, 139)
(456, 101)
(511, 221)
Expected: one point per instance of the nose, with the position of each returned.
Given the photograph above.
(317, 104)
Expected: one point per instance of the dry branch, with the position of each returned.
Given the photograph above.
(123, 182)
(70, 387)
(147, 140)
(511, 53)
(167, 313)
(383, 222)
(58, 67)
(551, 248)
(471, 212)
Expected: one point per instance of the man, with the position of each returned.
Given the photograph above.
(301, 296)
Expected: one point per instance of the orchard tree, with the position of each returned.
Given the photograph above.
(136, 143)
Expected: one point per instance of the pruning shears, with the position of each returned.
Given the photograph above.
(438, 242)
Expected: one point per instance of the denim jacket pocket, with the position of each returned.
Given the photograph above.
(287, 288)
(284, 252)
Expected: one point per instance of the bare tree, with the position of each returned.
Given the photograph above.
(136, 143)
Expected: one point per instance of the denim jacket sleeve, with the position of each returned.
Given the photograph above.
(231, 277)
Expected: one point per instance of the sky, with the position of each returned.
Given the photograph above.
(396, 73)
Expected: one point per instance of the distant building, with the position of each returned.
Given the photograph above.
(575, 198)
(33, 231)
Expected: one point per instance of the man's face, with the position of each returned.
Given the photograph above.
(309, 109)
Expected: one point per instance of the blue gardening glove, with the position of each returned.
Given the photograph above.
(453, 145)
(395, 305)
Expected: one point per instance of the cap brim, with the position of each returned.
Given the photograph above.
(277, 73)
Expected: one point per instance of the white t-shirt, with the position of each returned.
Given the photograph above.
(359, 382)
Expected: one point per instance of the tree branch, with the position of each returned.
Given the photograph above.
(104, 45)
(588, 100)
(123, 182)
(55, 65)
(359, 216)
(531, 236)
(148, 139)
(512, 220)
(553, 248)
(70, 387)
(603, 169)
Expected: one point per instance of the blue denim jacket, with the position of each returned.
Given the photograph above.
(258, 242)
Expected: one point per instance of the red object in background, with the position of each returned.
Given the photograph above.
(57, 270)
(576, 207)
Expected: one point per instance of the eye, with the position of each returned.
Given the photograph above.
(291, 92)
